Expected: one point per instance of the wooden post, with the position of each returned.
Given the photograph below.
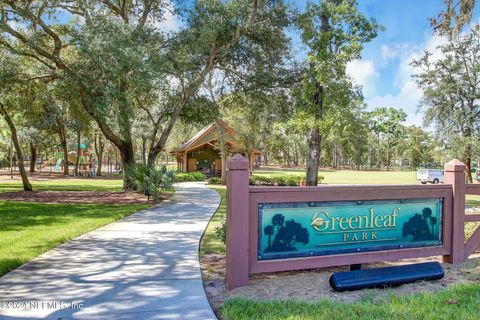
(455, 176)
(237, 222)
(185, 162)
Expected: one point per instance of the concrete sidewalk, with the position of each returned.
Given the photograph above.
(144, 266)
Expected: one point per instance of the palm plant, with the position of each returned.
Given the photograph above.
(138, 173)
(150, 180)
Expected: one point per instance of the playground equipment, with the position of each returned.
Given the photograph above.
(57, 161)
(58, 164)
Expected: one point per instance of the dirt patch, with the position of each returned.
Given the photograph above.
(311, 285)
(80, 197)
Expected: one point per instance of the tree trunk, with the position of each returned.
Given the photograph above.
(77, 158)
(33, 157)
(295, 153)
(65, 156)
(468, 152)
(10, 156)
(359, 159)
(99, 147)
(128, 158)
(388, 153)
(313, 158)
(26, 184)
(334, 155)
(378, 151)
(468, 164)
(152, 157)
(144, 150)
(223, 152)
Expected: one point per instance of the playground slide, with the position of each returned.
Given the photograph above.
(50, 161)
(58, 164)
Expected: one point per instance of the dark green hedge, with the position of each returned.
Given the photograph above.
(287, 180)
(191, 176)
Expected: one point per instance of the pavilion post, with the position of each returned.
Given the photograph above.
(185, 163)
(237, 222)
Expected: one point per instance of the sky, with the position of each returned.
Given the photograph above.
(384, 70)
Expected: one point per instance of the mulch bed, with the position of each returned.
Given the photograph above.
(45, 176)
(78, 197)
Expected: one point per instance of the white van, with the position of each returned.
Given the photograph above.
(430, 175)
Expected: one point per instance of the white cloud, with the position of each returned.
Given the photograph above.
(397, 50)
(170, 23)
(406, 70)
(407, 99)
(363, 73)
(409, 94)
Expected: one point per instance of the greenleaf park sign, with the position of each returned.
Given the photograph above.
(300, 229)
(272, 229)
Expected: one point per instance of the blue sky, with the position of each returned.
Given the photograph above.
(384, 69)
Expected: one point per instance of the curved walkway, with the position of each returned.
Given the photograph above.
(144, 266)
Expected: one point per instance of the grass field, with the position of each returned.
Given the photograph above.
(29, 229)
(210, 243)
(349, 176)
(67, 185)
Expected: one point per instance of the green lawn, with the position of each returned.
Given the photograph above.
(459, 302)
(67, 185)
(29, 229)
(350, 176)
(210, 243)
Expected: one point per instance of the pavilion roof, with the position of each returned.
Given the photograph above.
(207, 134)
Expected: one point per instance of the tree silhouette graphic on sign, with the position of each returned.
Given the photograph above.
(287, 234)
(419, 225)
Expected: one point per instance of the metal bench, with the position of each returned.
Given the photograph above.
(385, 277)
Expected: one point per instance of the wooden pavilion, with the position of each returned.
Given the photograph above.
(202, 153)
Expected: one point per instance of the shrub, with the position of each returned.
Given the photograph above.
(279, 181)
(221, 232)
(286, 180)
(150, 180)
(216, 180)
(190, 176)
(261, 180)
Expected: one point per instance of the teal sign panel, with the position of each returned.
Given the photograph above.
(301, 229)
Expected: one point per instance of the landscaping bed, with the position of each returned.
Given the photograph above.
(79, 197)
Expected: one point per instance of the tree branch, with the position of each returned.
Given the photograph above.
(10, 48)
(116, 9)
(28, 15)
(4, 26)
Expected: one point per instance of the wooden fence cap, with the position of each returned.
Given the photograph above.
(238, 162)
(455, 165)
